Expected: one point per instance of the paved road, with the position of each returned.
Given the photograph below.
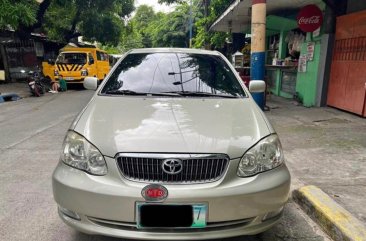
(31, 134)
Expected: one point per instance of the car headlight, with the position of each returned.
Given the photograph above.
(84, 72)
(265, 155)
(79, 153)
(55, 72)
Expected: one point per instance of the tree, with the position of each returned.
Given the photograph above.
(205, 12)
(63, 20)
(160, 29)
(171, 29)
(42, 8)
(95, 20)
(205, 38)
(171, 1)
(22, 12)
(131, 38)
(143, 18)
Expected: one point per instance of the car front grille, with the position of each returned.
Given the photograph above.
(198, 168)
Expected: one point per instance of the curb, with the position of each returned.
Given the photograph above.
(337, 222)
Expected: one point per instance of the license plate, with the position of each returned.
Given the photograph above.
(69, 78)
(151, 215)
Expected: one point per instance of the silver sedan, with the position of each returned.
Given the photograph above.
(171, 146)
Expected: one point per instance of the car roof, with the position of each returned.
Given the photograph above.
(174, 50)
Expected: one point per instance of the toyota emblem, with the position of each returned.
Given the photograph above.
(172, 166)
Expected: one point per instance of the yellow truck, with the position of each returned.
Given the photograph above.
(76, 63)
(48, 69)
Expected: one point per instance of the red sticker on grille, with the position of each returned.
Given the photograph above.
(154, 192)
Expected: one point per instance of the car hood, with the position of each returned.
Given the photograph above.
(172, 125)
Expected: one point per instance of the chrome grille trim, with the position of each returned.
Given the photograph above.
(197, 168)
(133, 226)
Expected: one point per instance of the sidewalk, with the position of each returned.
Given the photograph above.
(325, 147)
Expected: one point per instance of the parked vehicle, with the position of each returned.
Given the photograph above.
(75, 63)
(36, 83)
(171, 146)
(48, 69)
(113, 59)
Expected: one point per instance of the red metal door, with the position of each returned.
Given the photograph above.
(355, 90)
(348, 72)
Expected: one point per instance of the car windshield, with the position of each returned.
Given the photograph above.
(71, 58)
(174, 73)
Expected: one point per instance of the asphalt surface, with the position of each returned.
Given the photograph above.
(31, 134)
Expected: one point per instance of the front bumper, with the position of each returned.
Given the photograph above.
(88, 226)
(236, 206)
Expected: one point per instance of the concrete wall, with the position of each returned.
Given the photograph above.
(308, 83)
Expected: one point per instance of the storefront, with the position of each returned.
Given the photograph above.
(19, 56)
(283, 51)
(292, 50)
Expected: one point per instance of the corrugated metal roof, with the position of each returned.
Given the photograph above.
(238, 14)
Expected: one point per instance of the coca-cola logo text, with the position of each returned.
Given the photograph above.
(313, 19)
(310, 18)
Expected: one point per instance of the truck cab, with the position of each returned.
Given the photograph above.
(74, 64)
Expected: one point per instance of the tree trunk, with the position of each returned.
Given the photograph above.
(206, 13)
(72, 35)
(24, 32)
(40, 14)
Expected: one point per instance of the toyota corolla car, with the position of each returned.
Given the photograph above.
(171, 146)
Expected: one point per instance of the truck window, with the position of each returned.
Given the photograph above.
(71, 58)
(99, 56)
(102, 56)
(91, 59)
(106, 57)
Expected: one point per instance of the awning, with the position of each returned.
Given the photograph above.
(237, 16)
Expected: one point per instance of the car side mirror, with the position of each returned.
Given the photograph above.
(91, 61)
(51, 61)
(257, 86)
(90, 83)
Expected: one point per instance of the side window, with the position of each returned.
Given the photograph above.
(91, 58)
(99, 56)
(106, 57)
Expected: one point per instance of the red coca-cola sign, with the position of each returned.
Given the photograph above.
(310, 18)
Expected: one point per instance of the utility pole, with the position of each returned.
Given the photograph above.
(190, 24)
(206, 13)
(258, 44)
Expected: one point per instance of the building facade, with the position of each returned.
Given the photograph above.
(303, 64)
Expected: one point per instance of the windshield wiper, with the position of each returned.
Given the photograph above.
(123, 92)
(202, 94)
(131, 92)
